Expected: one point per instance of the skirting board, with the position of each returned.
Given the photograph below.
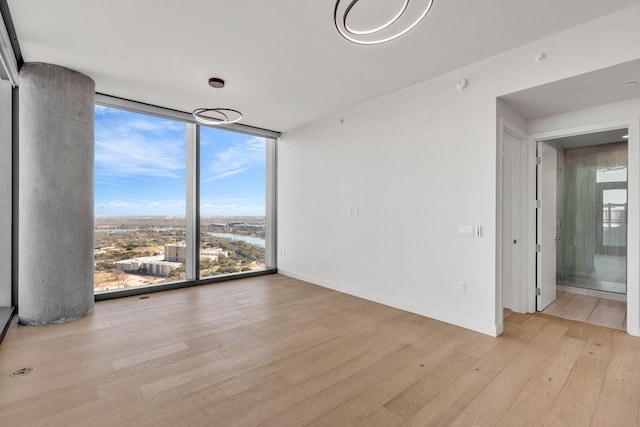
(492, 330)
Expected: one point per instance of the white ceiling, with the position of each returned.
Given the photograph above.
(612, 84)
(591, 139)
(283, 60)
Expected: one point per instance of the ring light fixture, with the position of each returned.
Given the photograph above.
(407, 17)
(216, 116)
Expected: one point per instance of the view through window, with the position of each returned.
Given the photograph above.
(232, 202)
(141, 199)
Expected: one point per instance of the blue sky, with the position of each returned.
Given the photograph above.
(140, 167)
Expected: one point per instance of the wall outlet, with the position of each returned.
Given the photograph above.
(283, 252)
(462, 287)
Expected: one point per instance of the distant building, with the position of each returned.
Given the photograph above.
(152, 265)
(127, 265)
(159, 268)
(175, 252)
(213, 254)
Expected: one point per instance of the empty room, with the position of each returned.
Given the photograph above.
(345, 212)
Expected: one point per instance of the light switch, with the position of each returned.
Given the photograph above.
(465, 230)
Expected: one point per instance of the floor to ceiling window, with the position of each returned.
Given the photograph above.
(178, 203)
(139, 199)
(232, 202)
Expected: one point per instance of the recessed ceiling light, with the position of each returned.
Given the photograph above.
(629, 84)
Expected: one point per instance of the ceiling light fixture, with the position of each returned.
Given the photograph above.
(625, 136)
(216, 116)
(407, 17)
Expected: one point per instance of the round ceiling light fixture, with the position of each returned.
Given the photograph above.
(399, 22)
(216, 116)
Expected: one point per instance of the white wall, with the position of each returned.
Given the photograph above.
(417, 164)
(5, 193)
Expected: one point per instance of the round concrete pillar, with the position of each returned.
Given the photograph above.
(55, 221)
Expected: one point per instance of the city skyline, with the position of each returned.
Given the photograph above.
(140, 168)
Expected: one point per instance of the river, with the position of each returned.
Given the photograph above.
(256, 241)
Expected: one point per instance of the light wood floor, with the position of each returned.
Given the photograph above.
(278, 352)
(598, 311)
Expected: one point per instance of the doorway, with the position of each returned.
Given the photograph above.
(581, 225)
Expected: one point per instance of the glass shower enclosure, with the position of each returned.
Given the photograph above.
(592, 217)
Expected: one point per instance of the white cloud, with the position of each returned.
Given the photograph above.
(178, 207)
(140, 207)
(103, 111)
(140, 147)
(233, 207)
(235, 160)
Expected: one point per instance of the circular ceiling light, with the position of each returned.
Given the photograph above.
(401, 21)
(216, 116)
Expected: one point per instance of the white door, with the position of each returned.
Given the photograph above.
(546, 223)
(511, 267)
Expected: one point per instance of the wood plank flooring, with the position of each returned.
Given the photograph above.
(584, 308)
(275, 351)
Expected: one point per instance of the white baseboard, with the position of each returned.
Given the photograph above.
(474, 325)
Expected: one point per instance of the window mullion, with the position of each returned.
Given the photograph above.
(192, 200)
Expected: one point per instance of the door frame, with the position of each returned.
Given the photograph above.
(633, 226)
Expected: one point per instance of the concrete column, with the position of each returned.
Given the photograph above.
(55, 264)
